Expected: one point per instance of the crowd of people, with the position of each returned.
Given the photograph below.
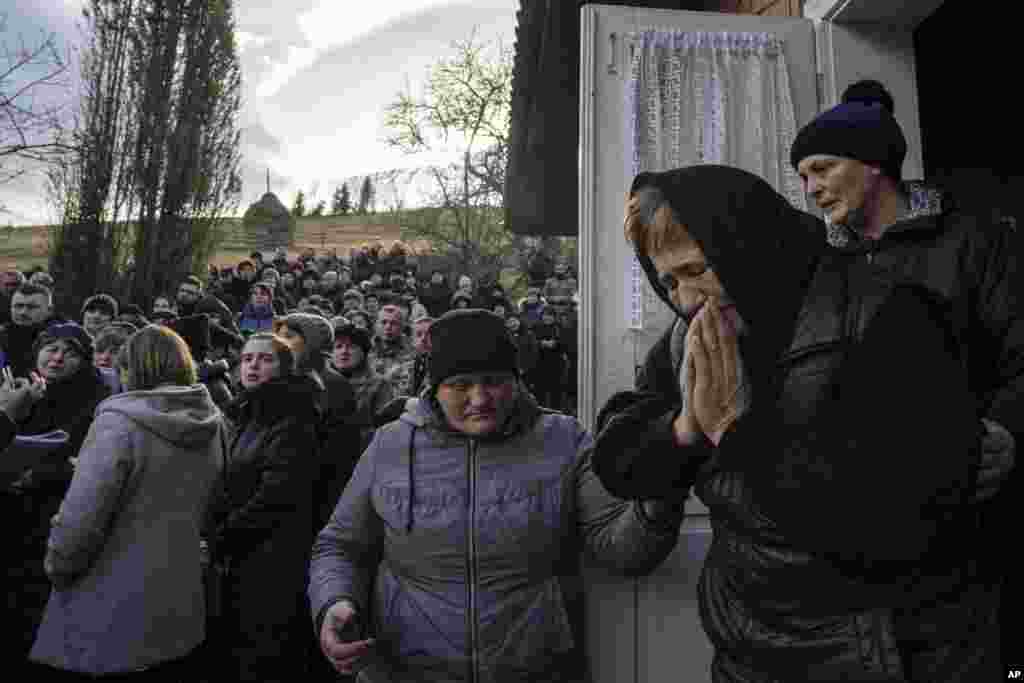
(272, 378)
(396, 464)
(375, 290)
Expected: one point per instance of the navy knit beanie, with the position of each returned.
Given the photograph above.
(861, 127)
(73, 333)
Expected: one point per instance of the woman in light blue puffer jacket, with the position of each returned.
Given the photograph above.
(478, 578)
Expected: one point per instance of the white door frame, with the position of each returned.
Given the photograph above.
(859, 39)
(906, 13)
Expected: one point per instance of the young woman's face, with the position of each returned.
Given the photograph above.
(347, 355)
(259, 363)
(260, 297)
(106, 358)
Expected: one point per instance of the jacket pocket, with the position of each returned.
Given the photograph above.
(415, 627)
(539, 638)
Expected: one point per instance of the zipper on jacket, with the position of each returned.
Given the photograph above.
(472, 568)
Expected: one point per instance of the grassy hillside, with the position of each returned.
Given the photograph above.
(25, 247)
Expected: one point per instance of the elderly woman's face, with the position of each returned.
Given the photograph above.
(58, 360)
(683, 269)
(478, 404)
(687, 276)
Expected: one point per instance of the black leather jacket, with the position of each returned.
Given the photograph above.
(768, 595)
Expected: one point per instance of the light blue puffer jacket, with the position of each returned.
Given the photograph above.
(479, 581)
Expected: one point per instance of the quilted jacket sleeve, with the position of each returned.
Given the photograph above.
(347, 550)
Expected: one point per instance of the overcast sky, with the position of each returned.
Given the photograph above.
(317, 77)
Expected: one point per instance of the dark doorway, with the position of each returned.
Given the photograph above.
(970, 124)
(970, 130)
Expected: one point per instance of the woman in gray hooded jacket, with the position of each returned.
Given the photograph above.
(123, 553)
(455, 546)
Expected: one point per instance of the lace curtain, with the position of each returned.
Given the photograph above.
(715, 98)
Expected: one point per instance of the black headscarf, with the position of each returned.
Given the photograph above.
(916, 450)
(762, 249)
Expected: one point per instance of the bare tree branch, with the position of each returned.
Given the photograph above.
(30, 126)
(466, 101)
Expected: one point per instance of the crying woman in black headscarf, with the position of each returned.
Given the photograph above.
(833, 465)
(732, 258)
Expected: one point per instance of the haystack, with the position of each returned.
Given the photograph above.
(269, 224)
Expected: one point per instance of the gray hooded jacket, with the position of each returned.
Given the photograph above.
(123, 553)
(479, 580)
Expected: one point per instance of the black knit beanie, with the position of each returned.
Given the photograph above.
(356, 335)
(862, 127)
(470, 340)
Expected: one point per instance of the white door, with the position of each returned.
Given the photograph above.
(646, 630)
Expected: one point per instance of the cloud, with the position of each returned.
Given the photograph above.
(334, 23)
(279, 20)
(255, 136)
(295, 60)
(317, 75)
(329, 115)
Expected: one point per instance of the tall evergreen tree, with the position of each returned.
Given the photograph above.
(367, 196)
(341, 202)
(157, 164)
